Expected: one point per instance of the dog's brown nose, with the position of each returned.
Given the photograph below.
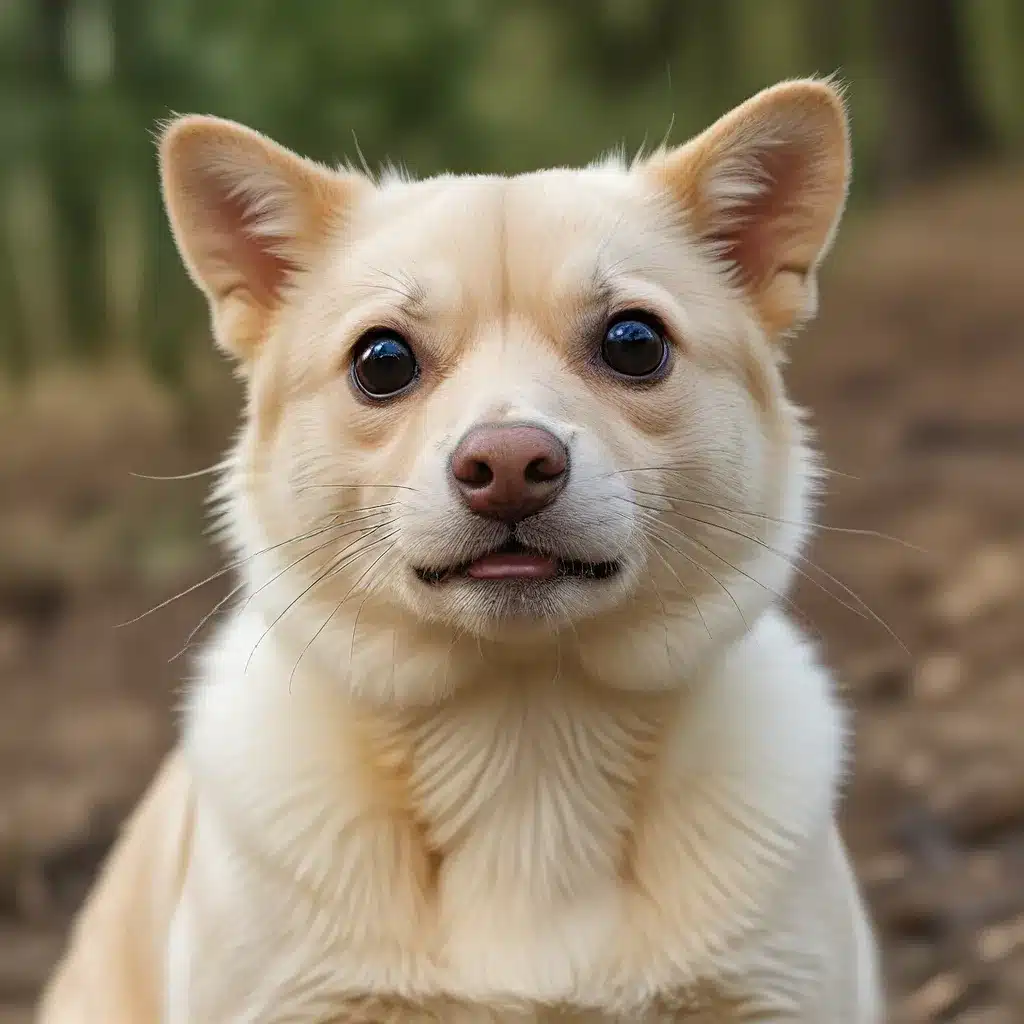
(509, 472)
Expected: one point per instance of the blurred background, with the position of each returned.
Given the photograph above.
(914, 372)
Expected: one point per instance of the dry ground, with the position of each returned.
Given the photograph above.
(915, 373)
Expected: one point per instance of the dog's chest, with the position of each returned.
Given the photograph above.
(553, 848)
(475, 855)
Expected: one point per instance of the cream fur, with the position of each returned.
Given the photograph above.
(601, 801)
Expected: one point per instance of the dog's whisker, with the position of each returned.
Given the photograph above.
(241, 586)
(661, 601)
(398, 487)
(338, 606)
(788, 601)
(457, 635)
(848, 530)
(232, 567)
(696, 464)
(341, 559)
(194, 475)
(781, 555)
(860, 606)
(648, 517)
(368, 592)
(238, 588)
(657, 524)
(318, 548)
(558, 651)
(685, 589)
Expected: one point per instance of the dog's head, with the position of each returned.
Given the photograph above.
(517, 408)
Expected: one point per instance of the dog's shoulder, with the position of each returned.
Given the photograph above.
(114, 967)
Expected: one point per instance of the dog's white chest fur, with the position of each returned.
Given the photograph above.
(531, 845)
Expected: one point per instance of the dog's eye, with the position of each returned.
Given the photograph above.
(634, 345)
(384, 364)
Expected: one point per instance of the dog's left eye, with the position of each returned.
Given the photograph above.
(384, 364)
(634, 345)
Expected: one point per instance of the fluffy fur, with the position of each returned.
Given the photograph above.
(598, 801)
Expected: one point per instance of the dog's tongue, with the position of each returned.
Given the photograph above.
(511, 565)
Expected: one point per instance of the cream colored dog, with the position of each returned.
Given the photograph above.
(507, 725)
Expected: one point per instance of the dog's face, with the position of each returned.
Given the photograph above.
(506, 408)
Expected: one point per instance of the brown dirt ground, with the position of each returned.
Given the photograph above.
(915, 374)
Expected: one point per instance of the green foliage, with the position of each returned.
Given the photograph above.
(86, 263)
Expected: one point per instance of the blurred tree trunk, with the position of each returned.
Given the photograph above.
(51, 30)
(934, 120)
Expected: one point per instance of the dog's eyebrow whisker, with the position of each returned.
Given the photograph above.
(392, 289)
(602, 274)
(406, 287)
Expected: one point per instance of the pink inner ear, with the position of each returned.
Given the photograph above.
(760, 227)
(256, 267)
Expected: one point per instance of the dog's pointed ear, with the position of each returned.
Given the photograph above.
(765, 187)
(246, 214)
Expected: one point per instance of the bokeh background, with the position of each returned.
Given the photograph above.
(914, 372)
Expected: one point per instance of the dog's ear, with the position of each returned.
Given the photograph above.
(765, 186)
(246, 214)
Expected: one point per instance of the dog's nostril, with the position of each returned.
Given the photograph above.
(543, 469)
(478, 474)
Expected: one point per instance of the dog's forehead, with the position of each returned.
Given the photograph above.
(457, 240)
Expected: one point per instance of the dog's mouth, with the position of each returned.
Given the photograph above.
(515, 561)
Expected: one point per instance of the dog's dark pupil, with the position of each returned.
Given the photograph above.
(633, 348)
(385, 366)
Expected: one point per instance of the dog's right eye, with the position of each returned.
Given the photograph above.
(384, 364)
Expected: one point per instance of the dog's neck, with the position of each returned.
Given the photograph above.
(533, 786)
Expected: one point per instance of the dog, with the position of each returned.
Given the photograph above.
(506, 722)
